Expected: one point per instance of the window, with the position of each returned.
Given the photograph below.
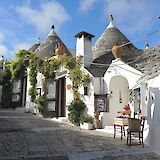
(86, 91)
(16, 86)
(51, 106)
(38, 92)
(51, 89)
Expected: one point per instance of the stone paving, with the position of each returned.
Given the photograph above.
(28, 137)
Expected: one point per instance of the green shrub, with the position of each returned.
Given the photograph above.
(40, 104)
(76, 108)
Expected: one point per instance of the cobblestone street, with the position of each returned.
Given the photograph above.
(26, 136)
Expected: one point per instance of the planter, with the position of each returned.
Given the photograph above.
(117, 51)
(85, 125)
(97, 124)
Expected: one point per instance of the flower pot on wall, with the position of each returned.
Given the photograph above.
(85, 125)
(117, 51)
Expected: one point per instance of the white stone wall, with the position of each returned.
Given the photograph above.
(118, 67)
(125, 79)
(28, 86)
(119, 88)
(89, 99)
(80, 46)
(84, 49)
(69, 93)
(98, 83)
(152, 109)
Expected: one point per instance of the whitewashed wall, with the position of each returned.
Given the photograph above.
(119, 88)
(152, 100)
(69, 93)
(28, 86)
(89, 99)
(118, 67)
(28, 97)
(40, 82)
(98, 83)
(125, 79)
(84, 49)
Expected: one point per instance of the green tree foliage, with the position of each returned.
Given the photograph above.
(18, 66)
(5, 81)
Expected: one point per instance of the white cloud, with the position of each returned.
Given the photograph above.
(86, 5)
(49, 13)
(22, 46)
(132, 15)
(3, 49)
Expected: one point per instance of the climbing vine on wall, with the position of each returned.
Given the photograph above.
(48, 68)
(33, 76)
(51, 65)
(78, 76)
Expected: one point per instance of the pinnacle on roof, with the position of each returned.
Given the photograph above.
(52, 32)
(111, 25)
(52, 27)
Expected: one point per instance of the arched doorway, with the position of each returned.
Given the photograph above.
(119, 89)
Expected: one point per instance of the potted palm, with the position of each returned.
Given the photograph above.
(86, 122)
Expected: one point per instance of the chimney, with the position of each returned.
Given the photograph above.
(84, 47)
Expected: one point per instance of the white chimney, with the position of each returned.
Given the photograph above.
(84, 47)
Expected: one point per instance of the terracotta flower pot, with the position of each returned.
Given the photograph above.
(117, 51)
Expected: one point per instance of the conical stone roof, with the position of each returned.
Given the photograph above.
(109, 37)
(102, 50)
(34, 46)
(47, 48)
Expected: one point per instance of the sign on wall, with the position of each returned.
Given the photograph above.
(101, 103)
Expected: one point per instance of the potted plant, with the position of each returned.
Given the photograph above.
(97, 122)
(86, 122)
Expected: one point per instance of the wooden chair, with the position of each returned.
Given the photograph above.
(135, 126)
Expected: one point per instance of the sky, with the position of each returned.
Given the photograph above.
(22, 22)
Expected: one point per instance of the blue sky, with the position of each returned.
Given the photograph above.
(23, 21)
